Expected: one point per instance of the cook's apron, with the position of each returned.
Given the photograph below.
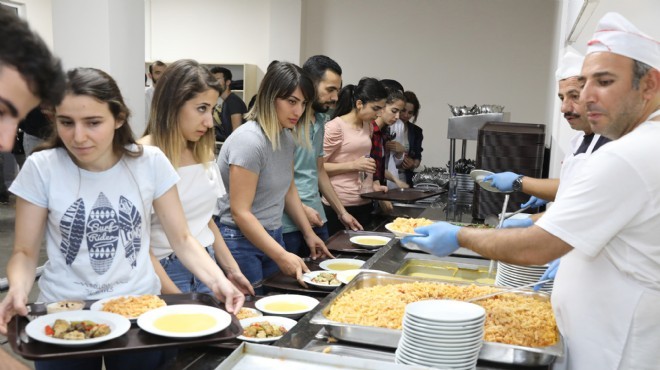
(600, 311)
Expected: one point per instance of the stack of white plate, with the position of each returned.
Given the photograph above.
(515, 275)
(441, 333)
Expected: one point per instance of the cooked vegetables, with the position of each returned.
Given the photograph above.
(76, 330)
(264, 329)
(326, 278)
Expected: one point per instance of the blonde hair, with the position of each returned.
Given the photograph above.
(280, 81)
(181, 81)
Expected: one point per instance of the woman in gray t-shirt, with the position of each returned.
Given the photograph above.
(256, 165)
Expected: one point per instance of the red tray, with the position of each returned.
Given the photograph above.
(135, 339)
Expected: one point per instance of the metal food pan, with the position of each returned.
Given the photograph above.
(251, 356)
(491, 351)
(447, 270)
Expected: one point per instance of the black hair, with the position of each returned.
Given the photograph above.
(226, 73)
(26, 51)
(394, 96)
(317, 65)
(156, 63)
(367, 90)
(640, 70)
(392, 85)
(412, 99)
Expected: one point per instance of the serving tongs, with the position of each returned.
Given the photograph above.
(508, 290)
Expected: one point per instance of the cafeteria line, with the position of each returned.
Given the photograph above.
(497, 330)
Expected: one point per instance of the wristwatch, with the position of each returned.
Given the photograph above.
(517, 183)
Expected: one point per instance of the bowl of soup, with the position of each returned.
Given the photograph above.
(184, 321)
(341, 264)
(370, 241)
(288, 305)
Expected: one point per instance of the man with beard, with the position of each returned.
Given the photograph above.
(606, 296)
(156, 70)
(233, 107)
(582, 145)
(29, 75)
(309, 172)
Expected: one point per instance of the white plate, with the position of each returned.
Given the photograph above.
(328, 264)
(118, 326)
(308, 302)
(478, 177)
(347, 275)
(399, 234)
(98, 305)
(307, 278)
(288, 324)
(147, 320)
(445, 310)
(360, 240)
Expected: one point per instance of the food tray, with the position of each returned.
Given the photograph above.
(282, 282)
(135, 339)
(340, 242)
(495, 352)
(409, 195)
(447, 271)
(251, 356)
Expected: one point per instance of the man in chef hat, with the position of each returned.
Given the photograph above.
(606, 296)
(581, 147)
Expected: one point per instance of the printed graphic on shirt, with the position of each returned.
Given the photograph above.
(130, 229)
(72, 227)
(103, 230)
(102, 234)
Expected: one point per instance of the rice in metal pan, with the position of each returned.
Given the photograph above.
(510, 318)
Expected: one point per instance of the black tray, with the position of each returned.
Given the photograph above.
(134, 340)
(340, 242)
(409, 195)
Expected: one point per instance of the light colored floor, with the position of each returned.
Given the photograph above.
(7, 215)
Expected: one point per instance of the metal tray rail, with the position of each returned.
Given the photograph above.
(491, 351)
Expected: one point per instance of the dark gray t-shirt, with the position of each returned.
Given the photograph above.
(249, 148)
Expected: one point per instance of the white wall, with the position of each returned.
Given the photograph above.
(109, 35)
(448, 52)
(38, 14)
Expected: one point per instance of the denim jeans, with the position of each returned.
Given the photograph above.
(142, 360)
(294, 241)
(254, 263)
(182, 278)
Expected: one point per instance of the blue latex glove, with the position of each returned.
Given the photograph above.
(503, 180)
(534, 202)
(441, 238)
(549, 273)
(517, 222)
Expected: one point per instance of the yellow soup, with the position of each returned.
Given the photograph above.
(370, 241)
(285, 307)
(185, 323)
(341, 266)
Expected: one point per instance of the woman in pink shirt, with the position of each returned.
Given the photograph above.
(347, 144)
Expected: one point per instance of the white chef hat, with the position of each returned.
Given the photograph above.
(570, 65)
(615, 34)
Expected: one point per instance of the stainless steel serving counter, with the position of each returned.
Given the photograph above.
(313, 337)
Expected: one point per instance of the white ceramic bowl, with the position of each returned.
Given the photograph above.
(341, 264)
(118, 326)
(370, 241)
(397, 233)
(269, 305)
(309, 276)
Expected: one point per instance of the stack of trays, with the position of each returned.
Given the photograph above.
(464, 183)
(441, 333)
(515, 275)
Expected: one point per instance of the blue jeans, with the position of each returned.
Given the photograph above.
(294, 241)
(141, 360)
(254, 263)
(182, 278)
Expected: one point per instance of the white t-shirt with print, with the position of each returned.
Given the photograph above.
(97, 233)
